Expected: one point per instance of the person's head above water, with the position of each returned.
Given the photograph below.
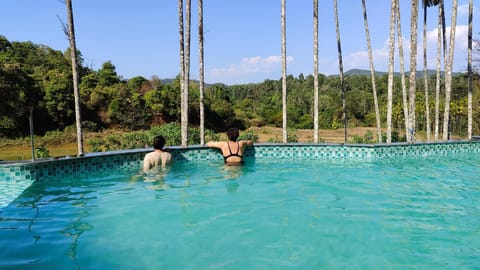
(158, 142)
(233, 134)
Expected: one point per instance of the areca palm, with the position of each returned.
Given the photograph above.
(186, 74)
(340, 66)
(413, 68)
(182, 74)
(372, 72)
(448, 68)
(201, 75)
(184, 67)
(284, 73)
(402, 64)
(440, 37)
(426, 4)
(391, 45)
(470, 86)
(73, 54)
(315, 71)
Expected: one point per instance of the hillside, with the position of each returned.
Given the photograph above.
(351, 72)
(366, 72)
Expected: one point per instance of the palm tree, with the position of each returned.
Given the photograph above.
(440, 36)
(448, 68)
(182, 75)
(73, 55)
(391, 45)
(425, 4)
(340, 66)
(372, 72)
(284, 73)
(201, 75)
(413, 68)
(402, 65)
(315, 71)
(186, 84)
(470, 86)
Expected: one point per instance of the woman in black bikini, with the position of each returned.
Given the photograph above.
(232, 150)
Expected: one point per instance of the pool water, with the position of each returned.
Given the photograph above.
(302, 214)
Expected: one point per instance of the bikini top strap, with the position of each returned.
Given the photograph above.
(229, 149)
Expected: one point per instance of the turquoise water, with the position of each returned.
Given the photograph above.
(404, 214)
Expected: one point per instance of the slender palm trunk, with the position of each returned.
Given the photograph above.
(201, 75)
(470, 75)
(448, 75)
(184, 118)
(73, 55)
(402, 65)
(372, 72)
(438, 79)
(391, 45)
(187, 72)
(413, 69)
(444, 29)
(425, 75)
(340, 66)
(284, 73)
(32, 136)
(315, 71)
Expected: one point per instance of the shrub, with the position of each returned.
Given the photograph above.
(248, 135)
(59, 137)
(41, 151)
(140, 139)
(210, 135)
(96, 144)
(368, 138)
(292, 138)
(137, 139)
(395, 137)
(90, 126)
(170, 131)
(357, 139)
(112, 142)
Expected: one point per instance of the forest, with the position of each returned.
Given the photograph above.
(37, 79)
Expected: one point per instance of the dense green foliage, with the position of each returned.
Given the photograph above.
(144, 138)
(38, 78)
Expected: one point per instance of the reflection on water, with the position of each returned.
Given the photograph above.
(155, 175)
(232, 175)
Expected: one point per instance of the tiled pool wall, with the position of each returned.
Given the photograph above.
(129, 160)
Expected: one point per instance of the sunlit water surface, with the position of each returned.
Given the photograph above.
(406, 214)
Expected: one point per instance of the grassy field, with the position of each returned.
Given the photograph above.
(64, 144)
(22, 152)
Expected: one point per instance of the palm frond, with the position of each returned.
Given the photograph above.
(430, 3)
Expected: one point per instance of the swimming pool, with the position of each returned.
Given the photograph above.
(403, 213)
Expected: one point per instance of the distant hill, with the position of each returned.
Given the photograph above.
(366, 72)
(351, 72)
(170, 81)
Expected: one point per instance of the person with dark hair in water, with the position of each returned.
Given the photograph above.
(158, 157)
(232, 150)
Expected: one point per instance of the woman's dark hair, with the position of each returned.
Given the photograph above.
(233, 134)
(158, 142)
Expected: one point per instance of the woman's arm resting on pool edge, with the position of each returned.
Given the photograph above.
(215, 144)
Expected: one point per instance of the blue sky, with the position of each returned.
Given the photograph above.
(242, 38)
